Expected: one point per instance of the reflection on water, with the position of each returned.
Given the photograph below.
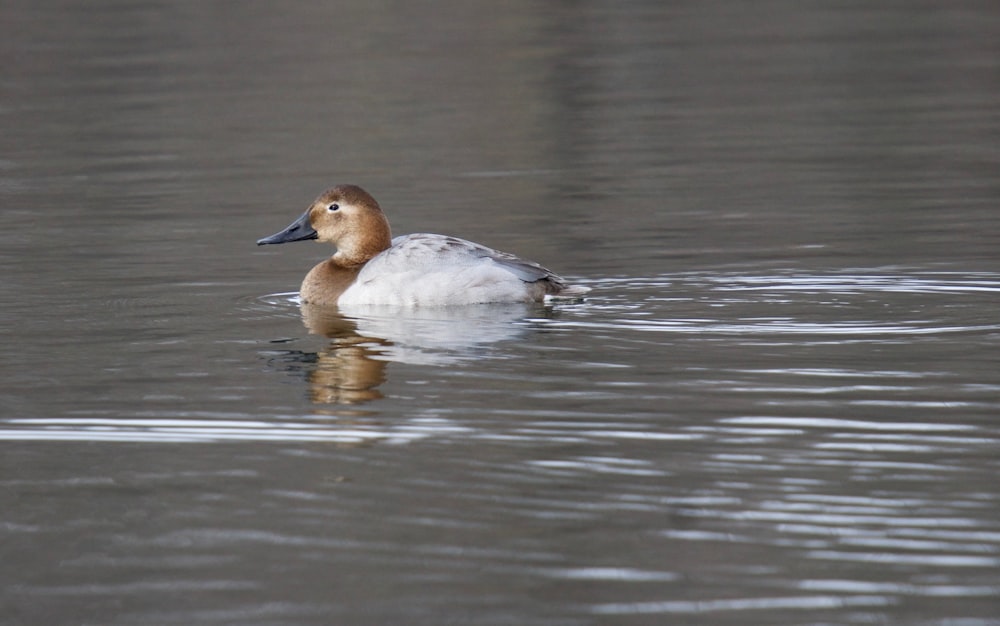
(346, 373)
(363, 340)
(429, 335)
(348, 370)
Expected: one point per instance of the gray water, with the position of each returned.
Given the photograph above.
(779, 405)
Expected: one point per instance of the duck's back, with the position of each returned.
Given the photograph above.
(436, 270)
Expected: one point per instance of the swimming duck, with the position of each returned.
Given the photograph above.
(370, 267)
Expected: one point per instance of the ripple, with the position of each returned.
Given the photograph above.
(856, 281)
(814, 422)
(929, 590)
(836, 300)
(895, 558)
(138, 588)
(220, 430)
(609, 574)
(742, 604)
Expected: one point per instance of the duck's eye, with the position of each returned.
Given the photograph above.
(333, 207)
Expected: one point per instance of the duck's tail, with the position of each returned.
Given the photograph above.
(568, 293)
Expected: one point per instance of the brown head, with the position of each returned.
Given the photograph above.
(346, 216)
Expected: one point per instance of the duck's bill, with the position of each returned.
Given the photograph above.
(299, 230)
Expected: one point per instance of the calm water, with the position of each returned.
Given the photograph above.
(781, 404)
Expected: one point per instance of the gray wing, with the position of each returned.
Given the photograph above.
(526, 271)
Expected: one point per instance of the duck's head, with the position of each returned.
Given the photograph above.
(346, 216)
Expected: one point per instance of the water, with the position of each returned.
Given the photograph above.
(778, 406)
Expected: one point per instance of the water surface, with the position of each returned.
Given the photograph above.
(779, 405)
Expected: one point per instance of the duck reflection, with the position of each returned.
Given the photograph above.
(349, 370)
(364, 340)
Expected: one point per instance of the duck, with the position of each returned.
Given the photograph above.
(370, 267)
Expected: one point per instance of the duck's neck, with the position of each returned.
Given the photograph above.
(350, 256)
(350, 261)
(368, 240)
(355, 256)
